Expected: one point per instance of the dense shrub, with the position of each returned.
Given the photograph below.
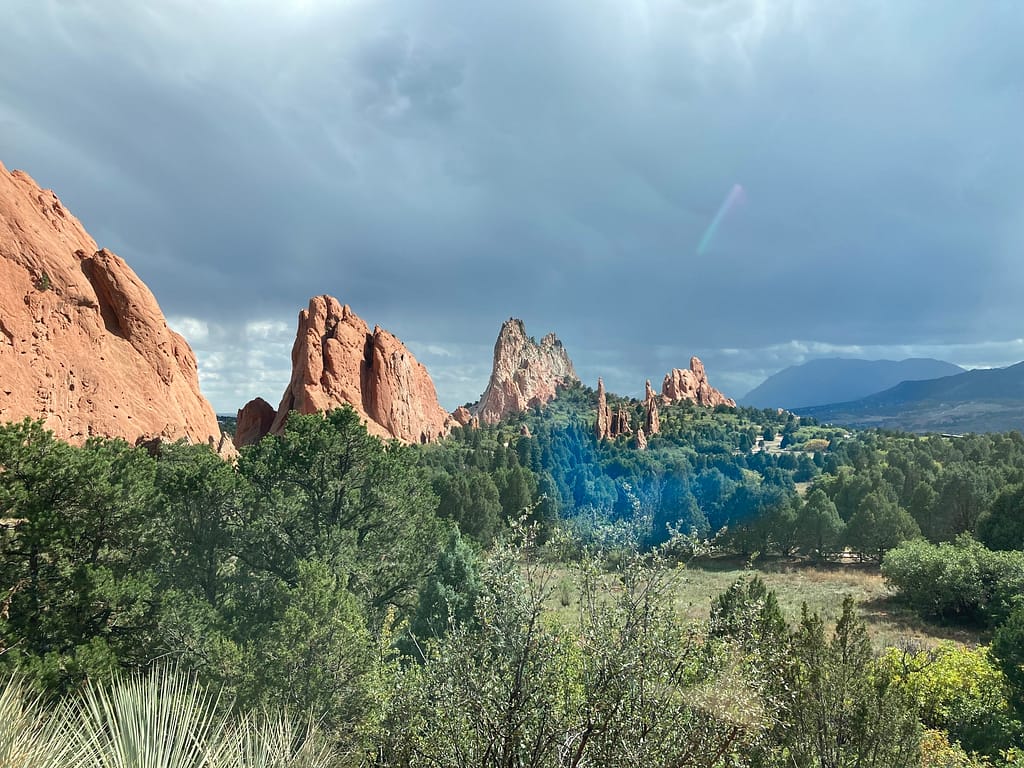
(958, 690)
(960, 580)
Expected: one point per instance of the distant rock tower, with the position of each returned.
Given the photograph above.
(652, 425)
(610, 424)
(692, 385)
(525, 373)
(603, 426)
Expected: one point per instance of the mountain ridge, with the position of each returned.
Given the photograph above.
(980, 400)
(829, 380)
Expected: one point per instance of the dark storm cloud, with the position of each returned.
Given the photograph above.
(442, 166)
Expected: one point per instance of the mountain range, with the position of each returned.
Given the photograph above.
(839, 380)
(981, 400)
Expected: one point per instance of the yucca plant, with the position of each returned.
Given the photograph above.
(275, 740)
(29, 736)
(165, 719)
(161, 720)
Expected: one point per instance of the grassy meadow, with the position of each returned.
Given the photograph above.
(821, 587)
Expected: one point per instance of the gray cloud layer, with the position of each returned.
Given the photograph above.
(442, 166)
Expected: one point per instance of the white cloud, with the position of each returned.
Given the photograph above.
(194, 330)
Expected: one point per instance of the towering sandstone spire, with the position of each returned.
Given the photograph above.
(524, 374)
(603, 427)
(336, 360)
(652, 425)
(83, 343)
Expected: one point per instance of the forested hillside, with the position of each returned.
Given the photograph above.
(402, 595)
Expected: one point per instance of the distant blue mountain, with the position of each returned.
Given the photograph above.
(984, 400)
(839, 380)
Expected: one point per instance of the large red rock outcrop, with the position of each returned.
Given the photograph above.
(253, 421)
(525, 373)
(681, 384)
(83, 343)
(336, 359)
(462, 416)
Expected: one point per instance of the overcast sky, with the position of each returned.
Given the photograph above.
(441, 166)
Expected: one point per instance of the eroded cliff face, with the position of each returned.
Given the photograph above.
(83, 343)
(337, 360)
(692, 384)
(525, 373)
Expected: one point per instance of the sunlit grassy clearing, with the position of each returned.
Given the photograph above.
(821, 588)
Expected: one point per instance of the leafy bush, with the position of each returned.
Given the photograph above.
(958, 690)
(959, 580)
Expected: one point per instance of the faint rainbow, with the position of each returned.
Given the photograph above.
(735, 196)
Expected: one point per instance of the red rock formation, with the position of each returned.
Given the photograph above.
(253, 422)
(641, 439)
(652, 425)
(610, 424)
(524, 374)
(337, 360)
(603, 426)
(83, 343)
(621, 422)
(692, 385)
(462, 416)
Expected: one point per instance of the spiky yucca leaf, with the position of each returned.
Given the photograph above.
(275, 740)
(161, 720)
(28, 737)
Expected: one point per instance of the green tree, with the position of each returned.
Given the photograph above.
(517, 490)
(959, 580)
(923, 503)
(750, 612)
(878, 525)
(449, 596)
(964, 495)
(199, 498)
(1002, 527)
(78, 548)
(470, 498)
(844, 711)
(328, 491)
(958, 690)
(1008, 651)
(819, 528)
(316, 655)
